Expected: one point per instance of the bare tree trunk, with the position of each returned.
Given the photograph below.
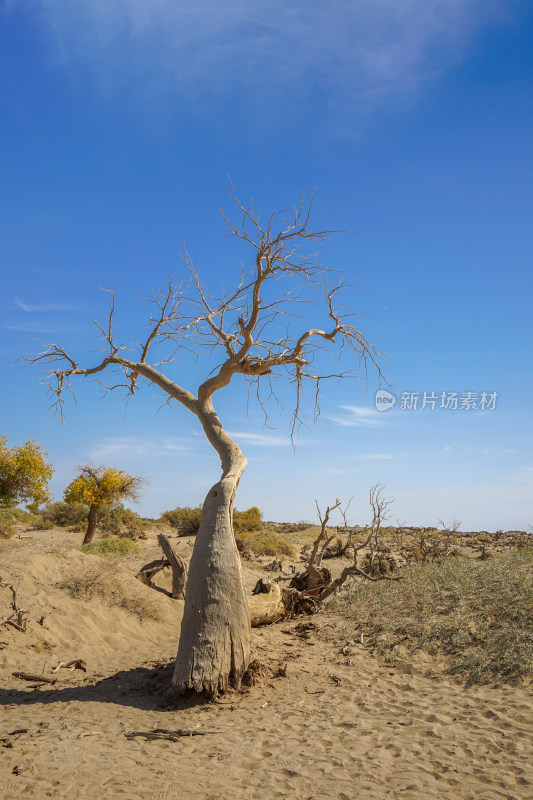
(91, 525)
(179, 569)
(214, 646)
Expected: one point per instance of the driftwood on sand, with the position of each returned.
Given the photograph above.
(163, 733)
(17, 618)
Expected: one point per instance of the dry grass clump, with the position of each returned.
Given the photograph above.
(265, 543)
(7, 526)
(11, 517)
(477, 612)
(103, 581)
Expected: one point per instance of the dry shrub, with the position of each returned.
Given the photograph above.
(264, 543)
(427, 546)
(477, 612)
(337, 548)
(293, 527)
(382, 562)
(7, 526)
(103, 581)
(11, 517)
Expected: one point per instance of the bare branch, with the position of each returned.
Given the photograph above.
(251, 330)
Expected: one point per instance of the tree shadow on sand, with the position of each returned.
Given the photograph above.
(146, 688)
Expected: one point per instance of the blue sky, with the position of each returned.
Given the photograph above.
(120, 123)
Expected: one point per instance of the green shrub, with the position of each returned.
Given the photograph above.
(249, 520)
(66, 515)
(185, 520)
(42, 524)
(121, 521)
(112, 546)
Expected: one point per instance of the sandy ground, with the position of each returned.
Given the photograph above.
(337, 726)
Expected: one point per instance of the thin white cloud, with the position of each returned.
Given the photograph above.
(30, 308)
(339, 471)
(357, 417)
(261, 439)
(524, 474)
(374, 456)
(131, 447)
(366, 49)
(38, 328)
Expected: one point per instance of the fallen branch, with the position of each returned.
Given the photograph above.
(16, 619)
(30, 676)
(13, 591)
(22, 767)
(163, 733)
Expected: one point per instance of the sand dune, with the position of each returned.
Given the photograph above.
(334, 727)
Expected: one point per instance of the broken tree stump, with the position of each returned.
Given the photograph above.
(179, 570)
(172, 560)
(270, 603)
(266, 604)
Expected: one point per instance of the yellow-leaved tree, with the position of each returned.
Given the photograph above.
(24, 474)
(97, 487)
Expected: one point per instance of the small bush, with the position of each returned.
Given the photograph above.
(121, 521)
(42, 524)
(265, 543)
(65, 515)
(7, 525)
(249, 520)
(294, 527)
(112, 546)
(185, 520)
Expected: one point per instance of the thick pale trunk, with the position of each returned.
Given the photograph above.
(214, 647)
(91, 525)
(267, 606)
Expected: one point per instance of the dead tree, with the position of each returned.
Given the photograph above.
(309, 589)
(255, 332)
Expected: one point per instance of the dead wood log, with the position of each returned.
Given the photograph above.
(266, 604)
(147, 572)
(270, 603)
(77, 663)
(179, 569)
(31, 676)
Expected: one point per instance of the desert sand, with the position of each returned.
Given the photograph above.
(339, 724)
